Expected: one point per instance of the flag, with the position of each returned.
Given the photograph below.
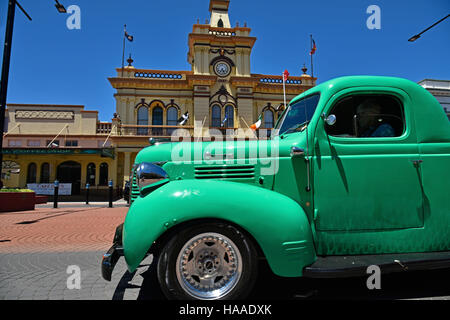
(285, 75)
(314, 48)
(129, 37)
(184, 118)
(257, 124)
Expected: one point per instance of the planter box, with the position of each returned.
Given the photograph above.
(40, 199)
(16, 201)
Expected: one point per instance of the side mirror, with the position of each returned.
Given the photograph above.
(330, 120)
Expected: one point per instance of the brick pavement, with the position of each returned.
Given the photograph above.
(37, 247)
(63, 229)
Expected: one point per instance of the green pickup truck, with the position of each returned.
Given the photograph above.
(356, 174)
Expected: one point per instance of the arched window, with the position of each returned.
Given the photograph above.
(45, 173)
(172, 119)
(229, 115)
(220, 23)
(268, 119)
(31, 173)
(216, 116)
(103, 180)
(90, 174)
(157, 120)
(142, 120)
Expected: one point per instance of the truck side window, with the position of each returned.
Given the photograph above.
(367, 116)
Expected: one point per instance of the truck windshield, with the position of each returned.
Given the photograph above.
(298, 114)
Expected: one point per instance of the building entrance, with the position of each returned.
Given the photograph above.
(70, 172)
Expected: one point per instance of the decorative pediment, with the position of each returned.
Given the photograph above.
(44, 114)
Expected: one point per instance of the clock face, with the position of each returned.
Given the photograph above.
(222, 69)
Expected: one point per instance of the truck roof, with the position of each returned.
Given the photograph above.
(431, 122)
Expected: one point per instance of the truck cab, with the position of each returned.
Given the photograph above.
(355, 174)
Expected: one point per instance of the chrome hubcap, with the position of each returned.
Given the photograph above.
(209, 266)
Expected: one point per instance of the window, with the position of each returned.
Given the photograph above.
(268, 119)
(14, 143)
(216, 116)
(229, 116)
(55, 144)
(157, 120)
(172, 119)
(142, 120)
(367, 116)
(90, 174)
(34, 143)
(31, 173)
(45, 173)
(103, 180)
(71, 143)
(298, 113)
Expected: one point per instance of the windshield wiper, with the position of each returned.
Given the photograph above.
(294, 128)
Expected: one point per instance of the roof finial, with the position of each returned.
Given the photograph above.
(130, 61)
(304, 69)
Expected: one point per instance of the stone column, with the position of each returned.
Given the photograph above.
(127, 166)
(238, 62)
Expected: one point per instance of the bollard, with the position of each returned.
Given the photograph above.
(110, 185)
(87, 193)
(55, 194)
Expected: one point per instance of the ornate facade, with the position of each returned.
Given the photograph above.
(219, 92)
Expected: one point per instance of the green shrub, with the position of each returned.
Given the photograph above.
(15, 190)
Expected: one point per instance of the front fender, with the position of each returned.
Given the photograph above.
(277, 223)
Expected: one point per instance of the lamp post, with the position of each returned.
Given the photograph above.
(60, 7)
(6, 63)
(417, 36)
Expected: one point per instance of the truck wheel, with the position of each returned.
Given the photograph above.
(208, 262)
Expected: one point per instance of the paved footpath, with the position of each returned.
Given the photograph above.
(39, 250)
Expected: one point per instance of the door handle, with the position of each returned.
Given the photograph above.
(416, 162)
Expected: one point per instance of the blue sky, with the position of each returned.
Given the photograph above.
(54, 65)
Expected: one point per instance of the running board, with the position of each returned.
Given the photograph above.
(356, 266)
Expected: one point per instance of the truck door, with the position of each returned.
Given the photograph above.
(365, 174)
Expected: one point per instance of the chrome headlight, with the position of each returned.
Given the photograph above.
(148, 174)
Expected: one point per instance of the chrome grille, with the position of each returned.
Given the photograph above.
(233, 172)
(134, 187)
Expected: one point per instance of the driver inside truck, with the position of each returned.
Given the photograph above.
(370, 124)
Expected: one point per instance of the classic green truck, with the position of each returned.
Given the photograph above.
(356, 174)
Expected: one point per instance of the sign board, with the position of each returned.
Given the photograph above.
(65, 189)
(103, 152)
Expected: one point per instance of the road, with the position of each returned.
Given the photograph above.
(41, 251)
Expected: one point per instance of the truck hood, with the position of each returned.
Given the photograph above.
(188, 152)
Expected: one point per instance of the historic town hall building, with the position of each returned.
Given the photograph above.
(219, 91)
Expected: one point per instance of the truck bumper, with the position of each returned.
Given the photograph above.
(111, 257)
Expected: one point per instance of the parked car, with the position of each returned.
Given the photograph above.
(355, 174)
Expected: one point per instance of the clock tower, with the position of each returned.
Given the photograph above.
(217, 48)
(220, 58)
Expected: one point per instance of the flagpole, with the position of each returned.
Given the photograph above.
(123, 52)
(312, 65)
(284, 91)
